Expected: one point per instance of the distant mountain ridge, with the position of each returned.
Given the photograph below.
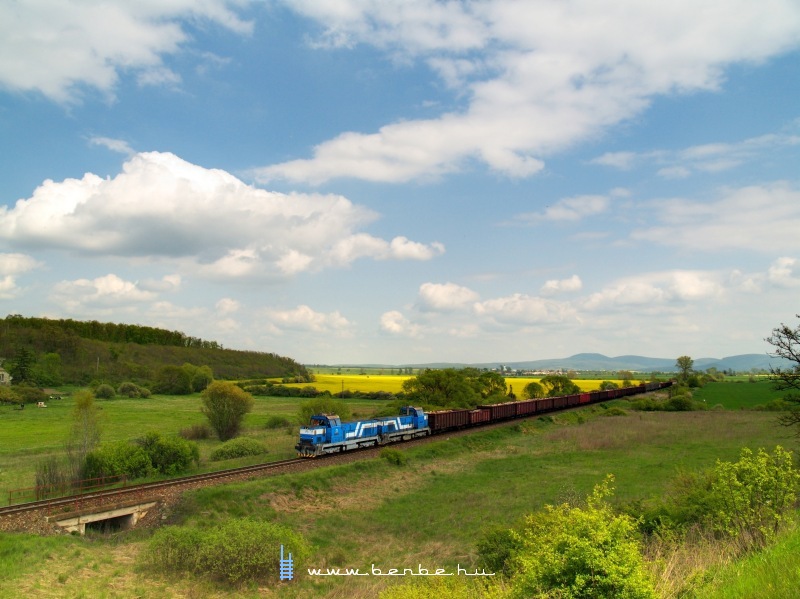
(590, 361)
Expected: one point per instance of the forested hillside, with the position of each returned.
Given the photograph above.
(55, 352)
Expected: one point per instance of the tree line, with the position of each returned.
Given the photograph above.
(50, 353)
(111, 332)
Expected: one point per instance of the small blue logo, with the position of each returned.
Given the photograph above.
(287, 566)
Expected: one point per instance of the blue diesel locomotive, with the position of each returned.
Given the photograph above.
(328, 434)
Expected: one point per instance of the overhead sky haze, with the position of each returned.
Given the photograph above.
(354, 181)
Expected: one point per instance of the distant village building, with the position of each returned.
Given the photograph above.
(5, 378)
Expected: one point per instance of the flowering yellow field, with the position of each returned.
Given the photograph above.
(390, 383)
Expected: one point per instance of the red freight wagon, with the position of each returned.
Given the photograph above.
(585, 397)
(499, 411)
(479, 415)
(445, 419)
(528, 406)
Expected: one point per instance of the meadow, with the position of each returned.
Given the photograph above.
(29, 435)
(430, 511)
(738, 395)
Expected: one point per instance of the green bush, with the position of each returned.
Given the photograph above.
(394, 456)
(750, 499)
(274, 422)
(754, 496)
(587, 552)
(237, 551)
(646, 404)
(169, 455)
(238, 448)
(117, 458)
(196, 431)
(29, 394)
(495, 549)
(132, 390)
(614, 411)
(173, 380)
(104, 391)
(682, 403)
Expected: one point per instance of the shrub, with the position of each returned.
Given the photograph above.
(196, 431)
(169, 455)
(614, 411)
(608, 386)
(237, 551)
(645, 404)
(278, 422)
(104, 391)
(580, 552)
(52, 477)
(29, 394)
(394, 456)
(754, 495)
(132, 390)
(225, 404)
(117, 458)
(495, 549)
(173, 380)
(238, 448)
(681, 403)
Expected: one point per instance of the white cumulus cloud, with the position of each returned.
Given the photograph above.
(205, 220)
(304, 318)
(62, 48)
(555, 286)
(105, 293)
(762, 218)
(445, 297)
(537, 76)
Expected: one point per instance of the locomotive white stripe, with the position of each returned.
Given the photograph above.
(362, 427)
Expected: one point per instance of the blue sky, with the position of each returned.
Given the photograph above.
(352, 181)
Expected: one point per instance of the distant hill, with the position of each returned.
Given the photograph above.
(77, 352)
(599, 362)
(741, 363)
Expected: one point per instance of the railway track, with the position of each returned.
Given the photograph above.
(142, 488)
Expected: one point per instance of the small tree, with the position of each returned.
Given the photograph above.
(558, 384)
(533, 390)
(684, 364)
(786, 342)
(21, 368)
(85, 433)
(173, 380)
(225, 405)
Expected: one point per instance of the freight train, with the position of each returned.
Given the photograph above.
(328, 434)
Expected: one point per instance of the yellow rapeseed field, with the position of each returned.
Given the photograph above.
(393, 383)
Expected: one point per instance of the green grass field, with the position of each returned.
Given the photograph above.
(33, 433)
(430, 511)
(737, 395)
(29, 435)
